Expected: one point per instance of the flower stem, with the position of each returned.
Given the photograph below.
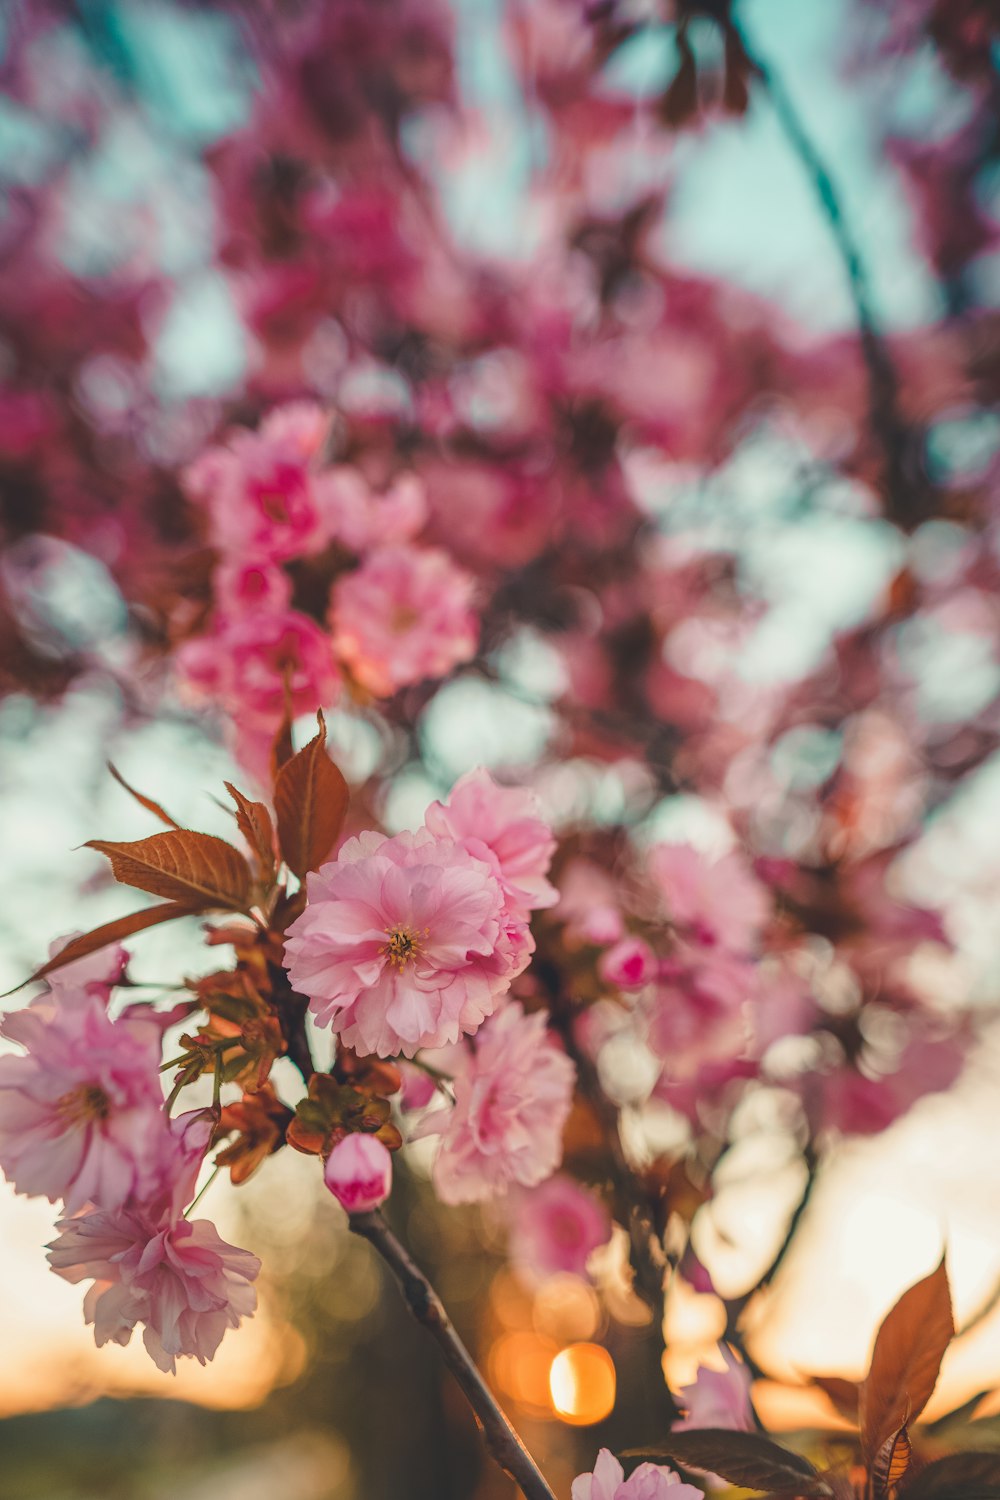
(504, 1445)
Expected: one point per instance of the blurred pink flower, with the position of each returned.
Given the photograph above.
(358, 1173)
(718, 1398)
(512, 1099)
(97, 973)
(260, 488)
(255, 585)
(243, 665)
(402, 617)
(629, 965)
(508, 821)
(363, 518)
(81, 1111)
(588, 904)
(404, 943)
(718, 902)
(554, 1228)
(647, 1482)
(179, 1278)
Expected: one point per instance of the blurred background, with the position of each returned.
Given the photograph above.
(113, 122)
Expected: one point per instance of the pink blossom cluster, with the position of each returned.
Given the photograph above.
(82, 1119)
(319, 575)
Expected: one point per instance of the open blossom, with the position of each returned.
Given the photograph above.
(554, 1228)
(244, 665)
(508, 821)
(512, 1099)
(404, 943)
(647, 1482)
(358, 1173)
(261, 489)
(81, 1110)
(176, 1277)
(363, 519)
(718, 902)
(403, 616)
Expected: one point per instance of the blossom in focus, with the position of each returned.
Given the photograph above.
(512, 1099)
(261, 490)
(554, 1228)
(358, 1173)
(81, 1110)
(175, 1276)
(718, 1398)
(718, 902)
(404, 943)
(509, 822)
(647, 1482)
(403, 616)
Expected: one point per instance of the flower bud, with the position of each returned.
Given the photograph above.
(359, 1173)
(630, 964)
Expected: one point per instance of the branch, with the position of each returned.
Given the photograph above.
(904, 483)
(504, 1445)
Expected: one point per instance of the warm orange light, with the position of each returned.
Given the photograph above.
(519, 1367)
(566, 1308)
(582, 1384)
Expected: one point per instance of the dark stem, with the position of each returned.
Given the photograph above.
(905, 487)
(503, 1443)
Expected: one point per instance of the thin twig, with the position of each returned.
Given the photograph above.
(902, 482)
(504, 1445)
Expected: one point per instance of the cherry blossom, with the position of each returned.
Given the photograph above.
(554, 1227)
(647, 1482)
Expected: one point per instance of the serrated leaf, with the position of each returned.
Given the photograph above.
(310, 802)
(254, 822)
(744, 1458)
(198, 869)
(143, 800)
(891, 1463)
(909, 1347)
(100, 937)
(960, 1476)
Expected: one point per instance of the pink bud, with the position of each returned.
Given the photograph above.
(629, 964)
(359, 1173)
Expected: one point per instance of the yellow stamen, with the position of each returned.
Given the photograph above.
(401, 947)
(88, 1102)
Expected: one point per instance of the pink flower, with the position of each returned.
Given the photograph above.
(404, 943)
(263, 496)
(97, 973)
(588, 904)
(647, 1482)
(178, 1278)
(359, 1173)
(508, 821)
(512, 1099)
(630, 964)
(718, 1398)
(555, 1227)
(240, 587)
(402, 617)
(81, 1112)
(244, 664)
(718, 901)
(362, 518)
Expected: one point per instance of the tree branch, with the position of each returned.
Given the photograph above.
(503, 1443)
(904, 483)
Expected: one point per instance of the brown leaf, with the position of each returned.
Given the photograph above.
(197, 869)
(255, 824)
(310, 800)
(282, 748)
(906, 1359)
(960, 1476)
(891, 1463)
(744, 1458)
(843, 1393)
(111, 932)
(144, 801)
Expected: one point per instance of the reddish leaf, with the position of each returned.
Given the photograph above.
(196, 869)
(282, 748)
(906, 1359)
(111, 932)
(960, 1476)
(891, 1463)
(310, 801)
(255, 824)
(843, 1393)
(744, 1458)
(146, 802)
